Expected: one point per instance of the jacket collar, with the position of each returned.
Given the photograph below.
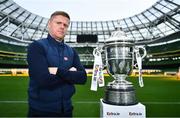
(53, 41)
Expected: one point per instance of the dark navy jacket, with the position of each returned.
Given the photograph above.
(48, 92)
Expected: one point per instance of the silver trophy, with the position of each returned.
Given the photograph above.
(120, 54)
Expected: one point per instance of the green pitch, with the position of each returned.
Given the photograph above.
(161, 96)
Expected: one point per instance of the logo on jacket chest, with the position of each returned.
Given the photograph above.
(66, 59)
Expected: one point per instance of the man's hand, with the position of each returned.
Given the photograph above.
(72, 69)
(52, 70)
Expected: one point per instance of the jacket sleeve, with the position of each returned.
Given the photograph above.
(38, 67)
(74, 77)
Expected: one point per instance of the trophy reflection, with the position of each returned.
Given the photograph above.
(120, 54)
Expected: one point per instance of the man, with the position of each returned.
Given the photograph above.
(54, 68)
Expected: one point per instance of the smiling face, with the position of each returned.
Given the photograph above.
(58, 26)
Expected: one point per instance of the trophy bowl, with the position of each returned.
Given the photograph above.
(119, 59)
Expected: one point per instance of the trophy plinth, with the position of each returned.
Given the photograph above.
(120, 93)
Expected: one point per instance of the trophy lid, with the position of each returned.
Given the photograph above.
(118, 36)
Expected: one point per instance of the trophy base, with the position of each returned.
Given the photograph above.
(120, 93)
(114, 111)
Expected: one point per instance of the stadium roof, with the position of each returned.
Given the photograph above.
(159, 21)
(85, 10)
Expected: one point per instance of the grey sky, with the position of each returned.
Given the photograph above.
(88, 10)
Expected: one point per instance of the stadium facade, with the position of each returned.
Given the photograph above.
(157, 28)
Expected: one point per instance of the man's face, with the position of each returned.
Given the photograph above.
(58, 26)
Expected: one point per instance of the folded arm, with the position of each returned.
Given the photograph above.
(76, 74)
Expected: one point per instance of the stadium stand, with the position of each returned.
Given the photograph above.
(157, 28)
(12, 55)
(164, 54)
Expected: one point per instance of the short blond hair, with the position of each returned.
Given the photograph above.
(60, 13)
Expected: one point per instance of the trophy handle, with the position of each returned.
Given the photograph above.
(138, 56)
(144, 51)
(139, 62)
(98, 51)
